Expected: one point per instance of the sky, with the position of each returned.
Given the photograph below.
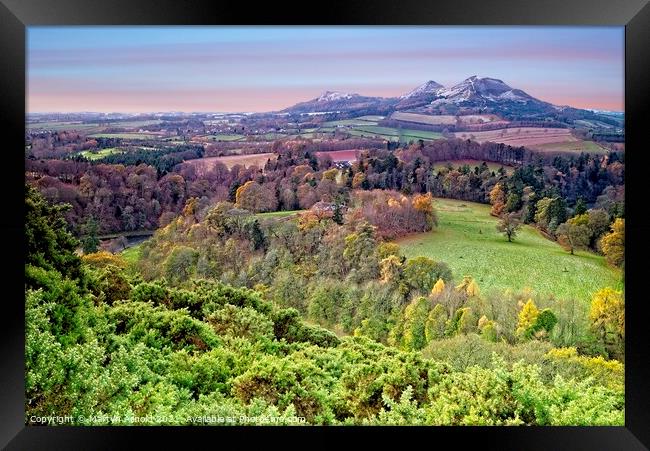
(254, 69)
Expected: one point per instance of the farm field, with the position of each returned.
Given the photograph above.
(224, 137)
(472, 164)
(98, 155)
(69, 126)
(535, 138)
(593, 124)
(466, 239)
(577, 146)
(340, 155)
(89, 127)
(388, 132)
(444, 119)
(351, 122)
(124, 135)
(133, 124)
(259, 159)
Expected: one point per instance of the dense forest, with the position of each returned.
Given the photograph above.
(107, 347)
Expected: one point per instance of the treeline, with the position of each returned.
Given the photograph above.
(298, 178)
(164, 160)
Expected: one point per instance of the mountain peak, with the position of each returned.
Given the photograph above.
(428, 87)
(329, 96)
(482, 89)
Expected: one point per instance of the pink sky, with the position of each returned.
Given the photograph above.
(140, 69)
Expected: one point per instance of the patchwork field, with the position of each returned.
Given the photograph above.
(535, 138)
(258, 159)
(466, 239)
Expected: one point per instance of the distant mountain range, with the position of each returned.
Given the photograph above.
(474, 94)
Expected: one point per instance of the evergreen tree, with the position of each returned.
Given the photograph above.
(89, 240)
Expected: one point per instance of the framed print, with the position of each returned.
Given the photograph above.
(382, 220)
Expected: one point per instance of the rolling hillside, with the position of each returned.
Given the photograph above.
(466, 239)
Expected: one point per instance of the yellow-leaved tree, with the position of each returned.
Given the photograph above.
(607, 317)
(527, 317)
(613, 244)
(438, 288)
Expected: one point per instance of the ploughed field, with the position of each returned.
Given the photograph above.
(467, 240)
(340, 155)
(543, 139)
(258, 159)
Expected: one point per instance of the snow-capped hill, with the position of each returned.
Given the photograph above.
(428, 88)
(336, 101)
(475, 89)
(329, 96)
(472, 95)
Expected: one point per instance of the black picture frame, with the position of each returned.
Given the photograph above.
(16, 15)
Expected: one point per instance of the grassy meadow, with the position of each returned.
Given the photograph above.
(437, 166)
(99, 154)
(278, 214)
(466, 239)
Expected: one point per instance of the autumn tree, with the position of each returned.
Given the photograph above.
(498, 200)
(423, 204)
(421, 273)
(255, 197)
(468, 287)
(390, 269)
(415, 318)
(534, 323)
(509, 224)
(438, 288)
(102, 259)
(607, 317)
(358, 180)
(573, 236)
(434, 328)
(488, 329)
(613, 244)
(527, 317)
